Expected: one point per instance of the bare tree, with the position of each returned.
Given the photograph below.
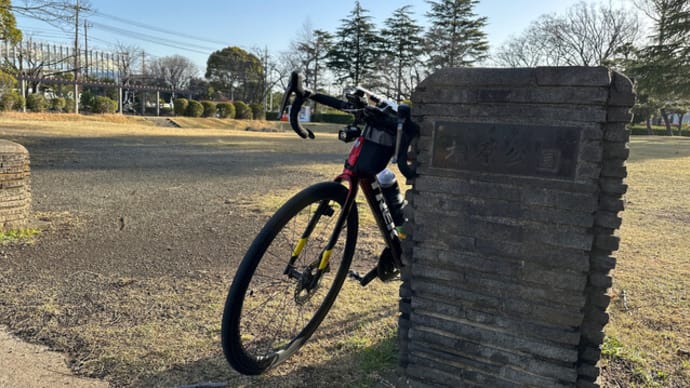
(174, 71)
(528, 49)
(129, 59)
(59, 13)
(586, 35)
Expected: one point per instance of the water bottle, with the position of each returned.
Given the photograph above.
(391, 193)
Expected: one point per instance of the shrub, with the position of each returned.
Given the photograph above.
(36, 103)
(209, 108)
(103, 104)
(11, 101)
(180, 105)
(242, 111)
(226, 110)
(258, 112)
(272, 116)
(87, 100)
(57, 104)
(194, 109)
(69, 105)
(334, 118)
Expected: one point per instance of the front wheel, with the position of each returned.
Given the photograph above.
(279, 296)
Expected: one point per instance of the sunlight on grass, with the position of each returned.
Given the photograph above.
(653, 268)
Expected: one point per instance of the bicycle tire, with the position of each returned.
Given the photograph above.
(243, 331)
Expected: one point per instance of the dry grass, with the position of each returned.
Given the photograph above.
(649, 331)
(164, 331)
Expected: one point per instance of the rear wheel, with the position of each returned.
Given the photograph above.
(274, 307)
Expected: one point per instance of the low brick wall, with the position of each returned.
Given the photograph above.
(15, 187)
(513, 221)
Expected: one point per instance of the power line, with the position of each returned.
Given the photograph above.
(157, 29)
(152, 39)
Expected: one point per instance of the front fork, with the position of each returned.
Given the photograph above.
(321, 264)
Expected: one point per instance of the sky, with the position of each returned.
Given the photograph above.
(203, 26)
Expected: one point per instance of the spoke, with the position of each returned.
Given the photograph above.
(274, 315)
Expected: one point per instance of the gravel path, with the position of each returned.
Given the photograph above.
(120, 209)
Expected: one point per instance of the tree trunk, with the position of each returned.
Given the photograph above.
(667, 122)
(680, 123)
(649, 126)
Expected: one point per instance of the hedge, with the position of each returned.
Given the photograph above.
(334, 118)
(102, 104)
(209, 108)
(258, 112)
(242, 111)
(226, 110)
(36, 103)
(640, 131)
(194, 109)
(69, 105)
(180, 105)
(57, 104)
(11, 101)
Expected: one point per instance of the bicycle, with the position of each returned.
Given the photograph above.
(291, 272)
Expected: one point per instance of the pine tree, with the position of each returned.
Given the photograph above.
(8, 24)
(455, 37)
(354, 52)
(402, 48)
(661, 69)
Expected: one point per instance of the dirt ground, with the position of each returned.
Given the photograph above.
(27, 365)
(141, 229)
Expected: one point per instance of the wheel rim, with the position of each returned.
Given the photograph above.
(277, 311)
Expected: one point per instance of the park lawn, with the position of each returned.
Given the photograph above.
(648, 336)
(137, 343)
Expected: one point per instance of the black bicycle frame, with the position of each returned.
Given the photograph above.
(375, 199)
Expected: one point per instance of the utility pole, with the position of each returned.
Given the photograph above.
(86, 50)
(265, 80)
(76, 57)
(143, 77)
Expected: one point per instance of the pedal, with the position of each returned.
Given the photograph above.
(366, 279)
(355, 275)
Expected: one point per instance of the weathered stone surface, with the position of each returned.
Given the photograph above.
(466, 77)
(616, 132)
(608, 219)
(15, 185)
(616, 150)
(573, 76)
(508, 272)
(614, 169)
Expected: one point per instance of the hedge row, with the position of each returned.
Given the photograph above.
(223, 110)
(638, 131)
(12, 100)
(333, 118)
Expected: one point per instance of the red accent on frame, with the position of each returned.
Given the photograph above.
(354, 156)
